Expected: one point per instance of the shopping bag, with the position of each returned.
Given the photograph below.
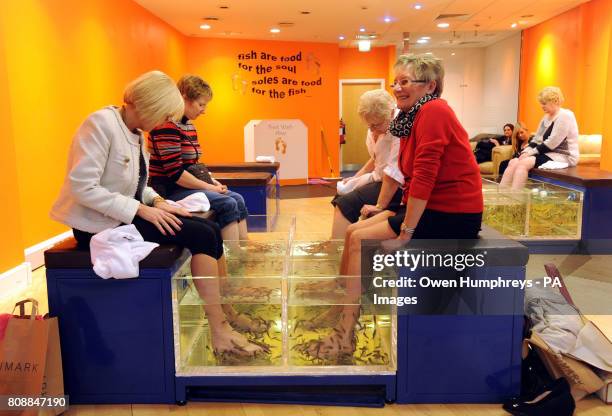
(30, 357)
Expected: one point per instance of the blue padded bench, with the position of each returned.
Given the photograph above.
(466, 358)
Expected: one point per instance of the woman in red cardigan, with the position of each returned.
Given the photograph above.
(442, 196)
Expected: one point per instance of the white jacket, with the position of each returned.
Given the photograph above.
(102, 175)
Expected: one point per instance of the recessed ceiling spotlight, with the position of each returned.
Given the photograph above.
(428, 53)
(341, 37)
(422, 41)
(387, 19)
(275, 30)
(417, 6)
(362, 29)
(425, 37)
(205, 26)
(453, 54)
(513, 25)
(526, 16)
(224, 7)
(443, 25)
(305, 12)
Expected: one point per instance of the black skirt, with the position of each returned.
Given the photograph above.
(350, 204)
(440, 225)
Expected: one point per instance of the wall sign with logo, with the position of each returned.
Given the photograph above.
(276, 76)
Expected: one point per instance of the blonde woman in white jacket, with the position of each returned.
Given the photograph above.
(556, 140)
(105, 186)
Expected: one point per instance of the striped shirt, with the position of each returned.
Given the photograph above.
(173, 147)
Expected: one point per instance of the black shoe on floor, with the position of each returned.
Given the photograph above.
(555, 400)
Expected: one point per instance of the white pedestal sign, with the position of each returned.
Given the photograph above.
(286, 140)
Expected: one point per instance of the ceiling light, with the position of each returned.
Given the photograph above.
(362, 29)
(428, 53)
(526, 16)
(275, 30)
(425, 37)
(513, 25)
(387, 19)
(305, 12)
(364, 45)
(417, 6)
(453, 54)
(422, 41)
(341, 37)
(205, 26)
(443, 25)
(224, 7)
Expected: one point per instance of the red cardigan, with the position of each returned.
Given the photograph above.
(438, 163)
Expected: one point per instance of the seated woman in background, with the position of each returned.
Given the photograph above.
(520, 140)
(105, 186)
(376, 186)
(175, 154)
(484, 148)
(556, 140)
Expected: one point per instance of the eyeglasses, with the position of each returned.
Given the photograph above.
(402, 83)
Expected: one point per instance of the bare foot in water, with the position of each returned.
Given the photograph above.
(226, 340)
(336, 347)
(244, 322)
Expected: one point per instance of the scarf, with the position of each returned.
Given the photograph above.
(402, 124)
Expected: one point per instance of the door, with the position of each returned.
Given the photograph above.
(354, 151)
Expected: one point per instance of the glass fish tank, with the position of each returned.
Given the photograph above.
(285, 299)
(538, 211)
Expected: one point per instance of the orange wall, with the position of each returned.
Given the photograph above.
(221, 129)
(606, 151)
(571, 51)
(373, 64)
(62, 64)
(11, 250)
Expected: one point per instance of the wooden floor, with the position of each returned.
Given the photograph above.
(315, 214)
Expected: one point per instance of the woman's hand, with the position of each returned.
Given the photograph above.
(369, 210)
(172, 209)
(395, 244)
(163, 220)
(222, 189)
(495, 142)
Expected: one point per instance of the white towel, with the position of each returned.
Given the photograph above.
(196, 202)
(353, 183)
(267, 159)
(115, 252)
(553, 164)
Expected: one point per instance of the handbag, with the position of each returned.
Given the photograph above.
(200, 171)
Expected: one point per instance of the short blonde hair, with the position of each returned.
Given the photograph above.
(193, 87)
(551, 95)
(155, 98)
(425, 67)
(376, 104)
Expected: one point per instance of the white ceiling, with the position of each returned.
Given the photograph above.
(487, 21)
